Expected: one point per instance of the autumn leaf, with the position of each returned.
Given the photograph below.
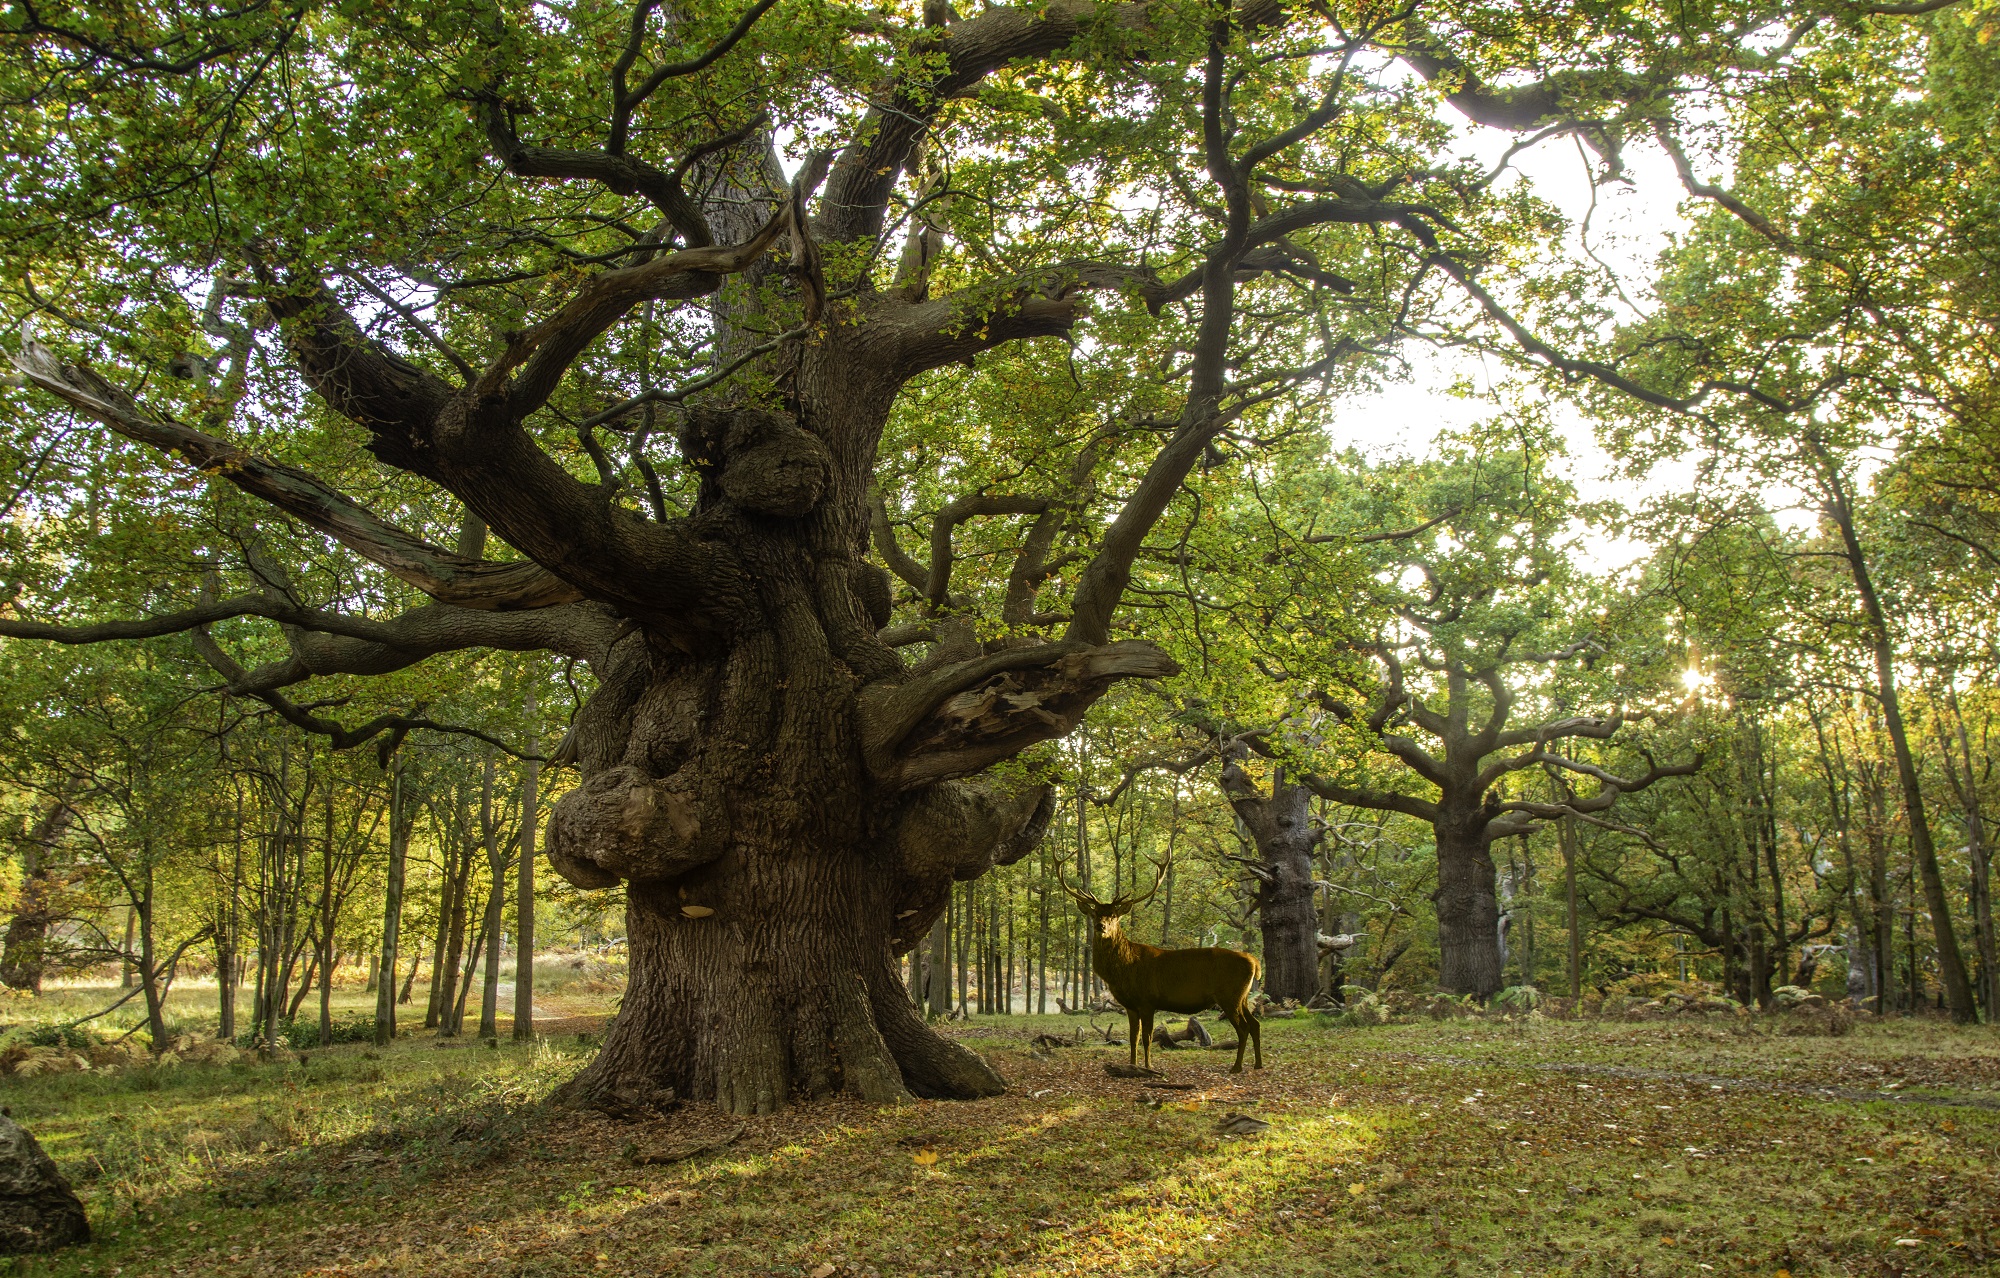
(924, 1157)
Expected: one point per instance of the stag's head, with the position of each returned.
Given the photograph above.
(1104, 915)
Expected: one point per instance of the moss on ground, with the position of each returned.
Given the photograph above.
(1475, 1146)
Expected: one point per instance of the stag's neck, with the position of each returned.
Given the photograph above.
(1113, 953)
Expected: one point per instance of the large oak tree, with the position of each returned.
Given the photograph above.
(639, 288)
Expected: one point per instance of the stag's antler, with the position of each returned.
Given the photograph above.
(1081, 897)
(1161, 877)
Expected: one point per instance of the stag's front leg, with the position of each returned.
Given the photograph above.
(1146, 1027)
(1132, 1036)
(1242, 1022)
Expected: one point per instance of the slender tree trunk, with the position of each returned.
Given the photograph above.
(939, 973)
(524, 889)
(455, 949)
(312, 973)
(1765, 814)
(128, 974)
(1981, 886)
(478, 939)
(392, 913)
(1880, 897)
(963, 910)
(326, 924)
(1951, 964)
(1860, 958)
(149, 972)
(496, 907)
(1007, 992)
(410, 981)
(1760, 967)
(225, 985)
(1042, 947)
(229, 932)
(1529, 959)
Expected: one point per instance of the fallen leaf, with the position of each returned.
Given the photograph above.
(924, 1157)
(824, 1271)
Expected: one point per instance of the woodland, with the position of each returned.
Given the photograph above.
(586, 574)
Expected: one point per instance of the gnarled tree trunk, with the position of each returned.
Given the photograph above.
(769, 798)
(23, 959)
(1282, 828)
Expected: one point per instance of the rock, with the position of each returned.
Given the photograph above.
(38, 1212)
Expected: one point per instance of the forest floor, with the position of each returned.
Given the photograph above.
(1509, 1147)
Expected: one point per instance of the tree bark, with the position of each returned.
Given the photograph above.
(1566, 835)
(496, 907)
(1280, 824)
(524, 889)
(772, 886)
(148, 968)
(1951, 963)
(23, 958)
(1468, 906)
(392, 914)
(1980, 856)
(326, 904)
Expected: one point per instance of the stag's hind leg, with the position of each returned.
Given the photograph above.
(1256, 1039)
(1146, 1026)
(1132, 1036)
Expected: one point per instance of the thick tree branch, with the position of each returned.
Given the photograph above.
(1044, 303)
(1374, 800)
(444, 576)
(946, 62)
(1515, 108)
(964, 717)
(937, 587)
(545, 352)
(898, 560)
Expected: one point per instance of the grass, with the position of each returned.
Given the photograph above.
(1477, 1146)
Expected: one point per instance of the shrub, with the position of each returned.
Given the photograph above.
(299, 1035)
(1518, 998)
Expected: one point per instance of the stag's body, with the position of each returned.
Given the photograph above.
(1146, 979)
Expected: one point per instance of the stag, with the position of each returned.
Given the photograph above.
(1146, 979)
